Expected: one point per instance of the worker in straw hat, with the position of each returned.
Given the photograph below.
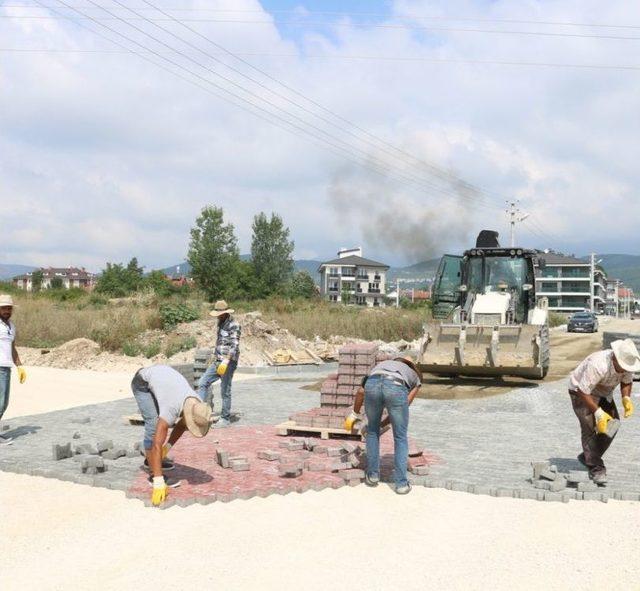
(391, 385)
(8, 356)
(591, 387)
(225, 360)
(166, 401)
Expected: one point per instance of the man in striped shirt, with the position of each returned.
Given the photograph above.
(225, 360)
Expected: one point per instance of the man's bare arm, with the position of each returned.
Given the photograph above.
(15, 355)
(154, 455)
(358, 402)
(177, 431)
(626, 389)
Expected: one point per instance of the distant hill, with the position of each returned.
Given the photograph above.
(8, 272)
(420, 274)
(625, 267)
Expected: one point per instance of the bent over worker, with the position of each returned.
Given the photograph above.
(166, 400)
(392, 385)
(225, 360)
(591, 387)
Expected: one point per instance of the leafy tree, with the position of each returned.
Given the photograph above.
(36, 280)
(159, 283)
(56, 283)
(302, 285)
(271, 253)
(213, 253)
(119, 281)
(246, 284)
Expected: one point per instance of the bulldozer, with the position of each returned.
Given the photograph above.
(486, 319)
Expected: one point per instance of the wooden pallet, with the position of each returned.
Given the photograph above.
(292, 428)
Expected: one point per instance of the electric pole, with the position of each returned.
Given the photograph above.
(515, 217)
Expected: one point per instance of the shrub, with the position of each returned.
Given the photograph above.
(556, 319)
(152, 349)
(177, 346)
(173, 314)
(131, 349)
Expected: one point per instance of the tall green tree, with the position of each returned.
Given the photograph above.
(56, 283)
(271, 253)
(213, 254)
(119, 281)
(36, 280)
(302, 285)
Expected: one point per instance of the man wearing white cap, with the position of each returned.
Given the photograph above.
(591, 387)
(166, 400)
(225, 360)
(8, 356)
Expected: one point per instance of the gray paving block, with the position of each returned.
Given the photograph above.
(122, 485)
(420, 470)
(553, 497)
(61, 452)
(292, 445)
(504, 492)
(222, 457)
(81, 420)
(626, 496)
(542, 484)
(351, 474)
(114, 454)
(558, 485)
(539, 467)
(418, 480)
(239, 465)
(349, 448)
(577, 476)
(290, 470)
(270, 455)
(594, 496)
(86, 448)
(435, 483)
(337, 466)
(206, 499)
(334, 452)
(83, 479)
(104, 445)
(548, 475)
(532, 494)
(587, 486)
(458, 486)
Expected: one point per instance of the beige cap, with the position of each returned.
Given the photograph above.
(6, 300)
(221, 308)
(627, 355)
(197, 416)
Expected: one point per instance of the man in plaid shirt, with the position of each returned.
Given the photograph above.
(225, 360)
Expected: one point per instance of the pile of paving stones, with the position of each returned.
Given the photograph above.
(91, 458)
(338, 391)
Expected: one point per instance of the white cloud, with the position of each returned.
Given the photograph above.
(106, 156)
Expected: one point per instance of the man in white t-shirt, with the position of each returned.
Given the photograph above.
(8, 356)
(591, 386)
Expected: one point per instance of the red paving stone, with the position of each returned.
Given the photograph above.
(202, 478)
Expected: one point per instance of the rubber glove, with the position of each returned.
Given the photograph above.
(166, 448)
(628, 406)
(350, 420)
(222, 368)
(602, 420)
(160, 489)
(22, 374)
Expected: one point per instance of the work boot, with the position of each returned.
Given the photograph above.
(167, 464)
(582, 460)
(371, 479)
(599, 477)
(403, 489)
(170, 482)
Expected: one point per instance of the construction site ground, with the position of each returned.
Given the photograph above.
(59, 534)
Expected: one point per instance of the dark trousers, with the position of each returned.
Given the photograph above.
(594, 445)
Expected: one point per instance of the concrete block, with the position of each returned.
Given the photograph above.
(102, 446)
(132, 453)
(587, 486)
(93, 465)
(351, 474)
(206, 499)
(542, 484)
(114, 454)
(81, 420)
(481, 489)
(539, 468)
(270, 455)
(417, 480)
(316, 466)
(338, 466)
(76, 435)
(436, 483)
(420, 470)
(553, 468)
(354, 461)
(553, 497)
(222, 457)
(61, 452)
(458, 486)
(577, 476)
(533, 495)
(239, 465)
(592, 496)
(85, 448)
(558, 484)
(626, 496)
(612, 428)
(349, 448)
(290, 470)
(292, 445)
(548, 474)
(334, 452)
(320, 449)
(504, 493)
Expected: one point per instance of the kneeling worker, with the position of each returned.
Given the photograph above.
(591, 387)
(166, 400)
(392, 385)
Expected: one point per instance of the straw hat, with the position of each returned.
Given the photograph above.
(221, 308)
(408, 360)
(197, 416)
(627, 355)
(6, 300)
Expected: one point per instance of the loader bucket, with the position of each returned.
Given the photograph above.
(483, 350)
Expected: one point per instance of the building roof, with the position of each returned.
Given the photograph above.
(50, 272)
(355, 261)
(554, 258)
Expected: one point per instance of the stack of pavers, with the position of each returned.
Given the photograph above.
(338, 391)
(546, 477)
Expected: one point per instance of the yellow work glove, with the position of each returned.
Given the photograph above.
(602, 420)
(166, 448)
(352, 417)
(628, 406)
(22, 374)
(160, 490)
(222, 368)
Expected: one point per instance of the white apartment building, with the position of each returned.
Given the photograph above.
(69, 277)
(566, 282)
(352, 279)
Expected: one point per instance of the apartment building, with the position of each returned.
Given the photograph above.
(69, 277)
(566, 282)
(353, 279)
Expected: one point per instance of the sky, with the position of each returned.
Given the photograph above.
(402, 126)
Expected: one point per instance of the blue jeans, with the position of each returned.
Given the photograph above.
(211, 377)
(5, 384)
(381, 393)
(148, 409)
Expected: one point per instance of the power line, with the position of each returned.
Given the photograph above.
(353, 57)
(354, 25)
(344, 14)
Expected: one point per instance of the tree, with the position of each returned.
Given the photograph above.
(119, 281)
(271, 253)
(36, 280)
(159, 283)
(56, 283)
(302, 285)
(213, 254)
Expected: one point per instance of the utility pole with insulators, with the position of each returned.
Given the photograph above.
(515, 217)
